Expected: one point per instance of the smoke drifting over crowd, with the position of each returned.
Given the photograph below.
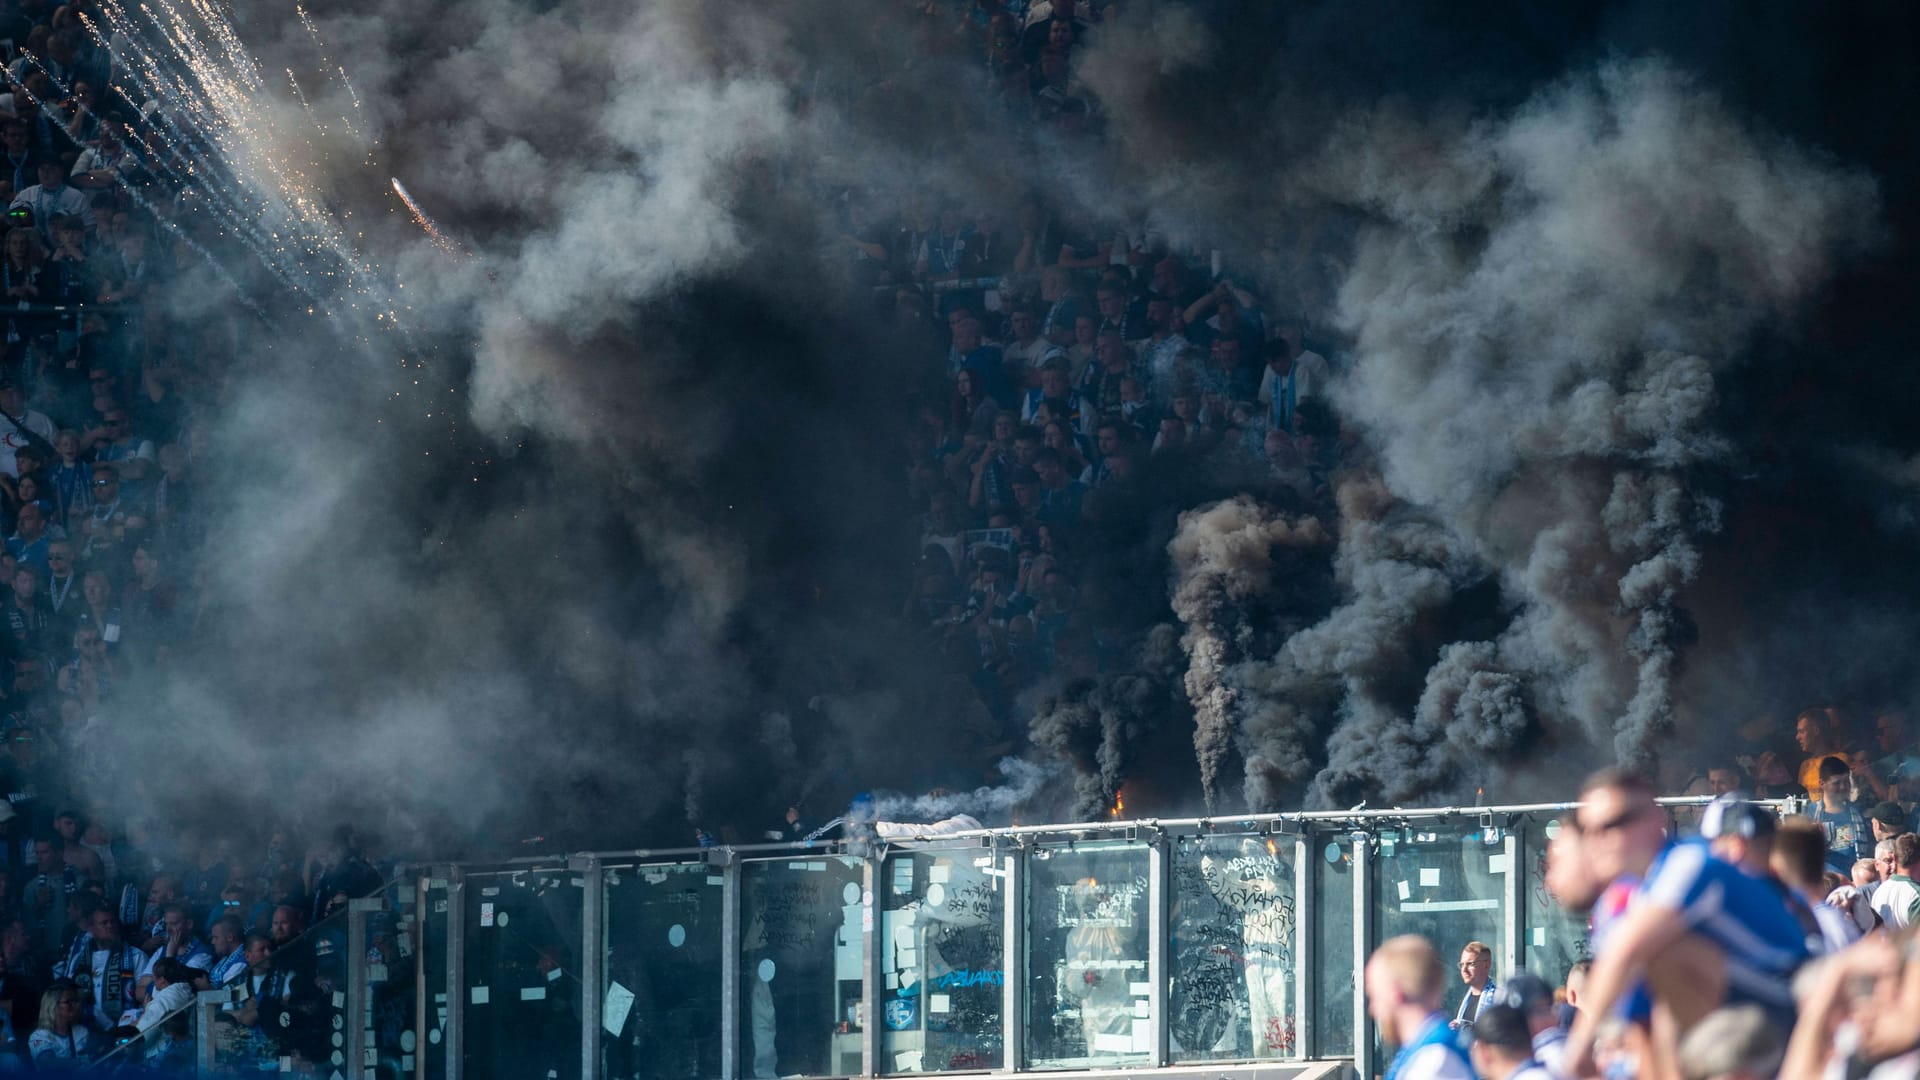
(610, 536)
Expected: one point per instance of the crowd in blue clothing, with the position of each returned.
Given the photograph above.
(1740, 951)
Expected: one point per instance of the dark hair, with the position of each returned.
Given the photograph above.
(1906, 850)
(1503, 1027)
(1800, 853)
(172, 970)
(58, 842)
(257, 936)
(1833, 765)
(232, 923)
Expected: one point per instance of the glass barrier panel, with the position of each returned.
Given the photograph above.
(1334, 965)
(942, 944)
(294, 1014)
(1447, 883)
(392, 990)
(801, 955)
(1088, 1002)
(1230, 945)
(522, 992)
(1555, 937)
(165, 1046)
(434, 899)
(660, 1014)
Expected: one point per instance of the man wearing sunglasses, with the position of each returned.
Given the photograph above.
(1698, 930)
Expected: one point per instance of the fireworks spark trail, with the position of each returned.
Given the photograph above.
(440, 240)
(320, 47)
(254, 172)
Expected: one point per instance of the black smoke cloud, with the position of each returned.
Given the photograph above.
(613, 532)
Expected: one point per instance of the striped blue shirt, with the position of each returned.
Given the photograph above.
(1742, 914)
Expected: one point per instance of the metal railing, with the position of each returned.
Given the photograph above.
(1229, 943)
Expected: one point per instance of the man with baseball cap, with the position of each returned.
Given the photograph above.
(1502, 1049)
(1532, 998)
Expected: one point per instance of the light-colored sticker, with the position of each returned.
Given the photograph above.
(434, 1036)
(1142, 1007)
(376, 973)
(939, 873)
(339, 1038)
(1497, 864)
(370, 1057)
(406, 1062)
(716, 879)
(339, 999)
(676, 935)
(439, 999)
(554, 975)
(1405, 890)
(1144, 989)
(1104, 1043)
(939, 1003)
(936, 895)
(908, 979)
(850, 892)
(796, 866)
(408, 1042)
(907, 1060)
(1539, 935)
(1429, 877)
(893, 980)
(491, 890)
(486, 914)
(613, 1011)
(816, 866)
(533, 993)
(481, 995)
(502, 920)
(766, 971)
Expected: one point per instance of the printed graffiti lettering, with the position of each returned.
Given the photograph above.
(963, 977)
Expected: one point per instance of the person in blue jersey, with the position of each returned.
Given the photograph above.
(1404, 982)
(1698, 930)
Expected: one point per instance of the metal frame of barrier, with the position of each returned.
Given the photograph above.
(1353, 839)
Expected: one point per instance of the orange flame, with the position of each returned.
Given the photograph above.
(1119, 803)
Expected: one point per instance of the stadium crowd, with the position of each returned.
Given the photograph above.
(108, 920)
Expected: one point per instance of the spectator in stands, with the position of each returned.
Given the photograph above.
(1739, 1043)
(1741, 946)
(1813, 735)
(50, 196)
(172, 992)
(18, 165)
(1897, 899)
(62, 1035)
(1502, 1046)
(45, 897)
(1798, 859)
(1403, 984)
(126, 272)
(20, 426)
(1476, 976)
(1842, 813)
(106, 969)
(1532, 998)
(99, 614)
(1895, 764)
(178, 942)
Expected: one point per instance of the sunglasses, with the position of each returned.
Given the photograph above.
(1621, 821)
(107, 482)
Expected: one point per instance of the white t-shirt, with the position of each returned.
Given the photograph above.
(11, 440)
(45, 1045)
(165, 1003)
(1894, 900)
(1309, 374)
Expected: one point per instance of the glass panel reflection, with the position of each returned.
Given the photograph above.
(392, 939)
(801, 954)
(942, 937)
(661, 998)
(1446, 883)
(1334, 965)
(1556, 938)
(1088, 1001)
(1231, 945)
(522, 993)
